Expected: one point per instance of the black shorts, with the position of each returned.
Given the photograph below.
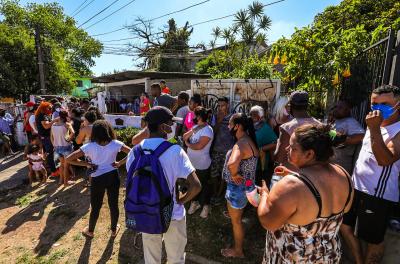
(369, 217)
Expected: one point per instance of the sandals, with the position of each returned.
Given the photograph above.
(115, 233)
(229, 253)
(86, 233)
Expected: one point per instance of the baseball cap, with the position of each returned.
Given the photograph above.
(30, 104)
(160, 115)
(299, 98)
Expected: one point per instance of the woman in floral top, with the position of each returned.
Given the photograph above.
(303, 212)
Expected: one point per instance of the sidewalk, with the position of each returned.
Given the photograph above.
(13, 171)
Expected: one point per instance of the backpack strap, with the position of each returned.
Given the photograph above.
(164, 146)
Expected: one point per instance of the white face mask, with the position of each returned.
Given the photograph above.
(172, 134)
(58, 109)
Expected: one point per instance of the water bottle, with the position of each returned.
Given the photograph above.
(251, 193)
(279, 172)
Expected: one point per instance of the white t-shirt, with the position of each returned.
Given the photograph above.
(348, 126)
(175, 164)
(201, 159)
(102, 156)
(32, 123)
(379, 181)
(182, 112)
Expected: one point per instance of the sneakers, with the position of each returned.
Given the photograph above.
(205, 211)
(194, 206)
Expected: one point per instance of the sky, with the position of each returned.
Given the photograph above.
(285, 16)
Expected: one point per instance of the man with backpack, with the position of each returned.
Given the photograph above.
(160, 180)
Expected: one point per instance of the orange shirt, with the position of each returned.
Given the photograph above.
(166, 90)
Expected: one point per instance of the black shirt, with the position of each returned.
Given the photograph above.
(41, 130)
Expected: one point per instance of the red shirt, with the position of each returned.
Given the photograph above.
(166, 90)
(146, 106)
(28, 127)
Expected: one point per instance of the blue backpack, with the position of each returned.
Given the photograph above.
(149, 202)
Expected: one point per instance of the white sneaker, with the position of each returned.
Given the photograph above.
(205, 211)
(194, 206)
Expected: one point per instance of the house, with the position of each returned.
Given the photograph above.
(82, 85)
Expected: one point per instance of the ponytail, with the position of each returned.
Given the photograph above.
(247, 123)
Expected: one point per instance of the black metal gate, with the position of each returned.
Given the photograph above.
(377, 65)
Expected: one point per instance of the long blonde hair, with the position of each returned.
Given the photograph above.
(279, 108)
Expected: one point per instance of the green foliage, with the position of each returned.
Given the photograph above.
(318, 56)
(125, 135)
(67, 51)
(24, 200)
(239, 57)
(53, 258)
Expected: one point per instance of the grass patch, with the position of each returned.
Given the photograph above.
(24, 200)
(77, 237)
(54, 257)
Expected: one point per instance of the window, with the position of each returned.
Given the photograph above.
(79, 83)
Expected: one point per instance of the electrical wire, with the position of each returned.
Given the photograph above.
(110, 14)
(79, 7)
(152, 19)
(193, 25)
(74, 15)
(98, 13)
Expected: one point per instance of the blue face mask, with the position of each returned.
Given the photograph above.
(386, 110)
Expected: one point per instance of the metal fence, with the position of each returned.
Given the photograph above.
(375, 66)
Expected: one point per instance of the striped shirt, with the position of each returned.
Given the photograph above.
(379, 181)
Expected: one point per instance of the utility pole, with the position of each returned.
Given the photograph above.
(40, 61)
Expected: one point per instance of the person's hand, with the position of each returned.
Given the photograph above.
(374, 119)
(116, 164)
(263, 190)
(56, 119)
(282, 171)
(237, 179)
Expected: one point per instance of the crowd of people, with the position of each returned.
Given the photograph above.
(314, 179)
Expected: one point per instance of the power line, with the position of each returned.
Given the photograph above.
(98, 13)
(111, 14)
(74, 15)
(155, 18)
(193, 25)
(79, 6)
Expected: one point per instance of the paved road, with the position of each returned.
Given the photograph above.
(13, 171)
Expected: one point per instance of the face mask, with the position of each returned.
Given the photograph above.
(285, 112)
(58, 109)
(195, 121)
(30, 108)
(233, 132)
(386, 110)
(172, 134)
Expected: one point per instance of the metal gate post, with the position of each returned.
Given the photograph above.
(395, 71)
(388, 58)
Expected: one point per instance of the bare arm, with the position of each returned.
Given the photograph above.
(70, 130)
(234, 163)
(126, 150)
(354, 139)
(51, 136)
(268, 147)
(47, 124)
(277, 206)
(187, 135)
(73, 159)
(81, 136)
(193, 188)
(143, 134)
(199, 145)
(280, 154)
(385, 154)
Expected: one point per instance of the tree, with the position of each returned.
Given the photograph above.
(240, 58)
(151, 47)
(67, 51)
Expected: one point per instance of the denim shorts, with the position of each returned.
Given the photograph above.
(63, 151)
(236, 195)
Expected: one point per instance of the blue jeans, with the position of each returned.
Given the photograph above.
(236, 195)
(62, 151)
